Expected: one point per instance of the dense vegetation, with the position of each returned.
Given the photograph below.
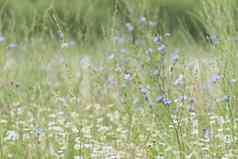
(94, 18)
(114, 79)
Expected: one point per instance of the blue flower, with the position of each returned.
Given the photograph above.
(146, 98)
(149, 51)
(12, 46)
(163, 100)
(157, 39)
(159, 98)
(175, 57)
(167, 102)
(191, 109)
(161, 49)
(39, 131)
(206, 133)
(130, 27)
(215, 77)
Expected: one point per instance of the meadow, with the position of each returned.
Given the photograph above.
(117, 79)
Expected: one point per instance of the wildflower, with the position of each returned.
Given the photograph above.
(163, 100)
(149, 51)
(206, 133)
(175, 57)
(167, 34)
(39, 131)
(215, 77)
(157, 39)
(228, 139)
(146, 98)
(130, 27)
(11, 135)
(167, 102)
(142, 19)
(85, 62)
(12, 46)
(2, 39)
(159, 98)
(161, 48)
(180, 99)
(128, 77)
(191, 109)
(179, 81)
(111, 81)
(143, 89)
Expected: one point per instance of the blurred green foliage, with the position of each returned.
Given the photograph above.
(92, 19)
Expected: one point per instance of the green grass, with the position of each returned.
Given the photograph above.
(90, 20)
(79, 85)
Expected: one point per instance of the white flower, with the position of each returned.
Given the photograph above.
(179, 81)
(128, 77)
(11, 135)
(130, 27)
(2, 39)
(142, 19)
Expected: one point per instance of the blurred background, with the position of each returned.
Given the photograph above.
(93, 19)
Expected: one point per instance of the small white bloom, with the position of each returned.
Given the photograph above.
(127, 77)
(11, 135)
(179, 81)
(130, 28)
(142, 19)
(2, 39)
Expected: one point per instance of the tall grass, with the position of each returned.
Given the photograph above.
(137, 92)
(91, 19)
